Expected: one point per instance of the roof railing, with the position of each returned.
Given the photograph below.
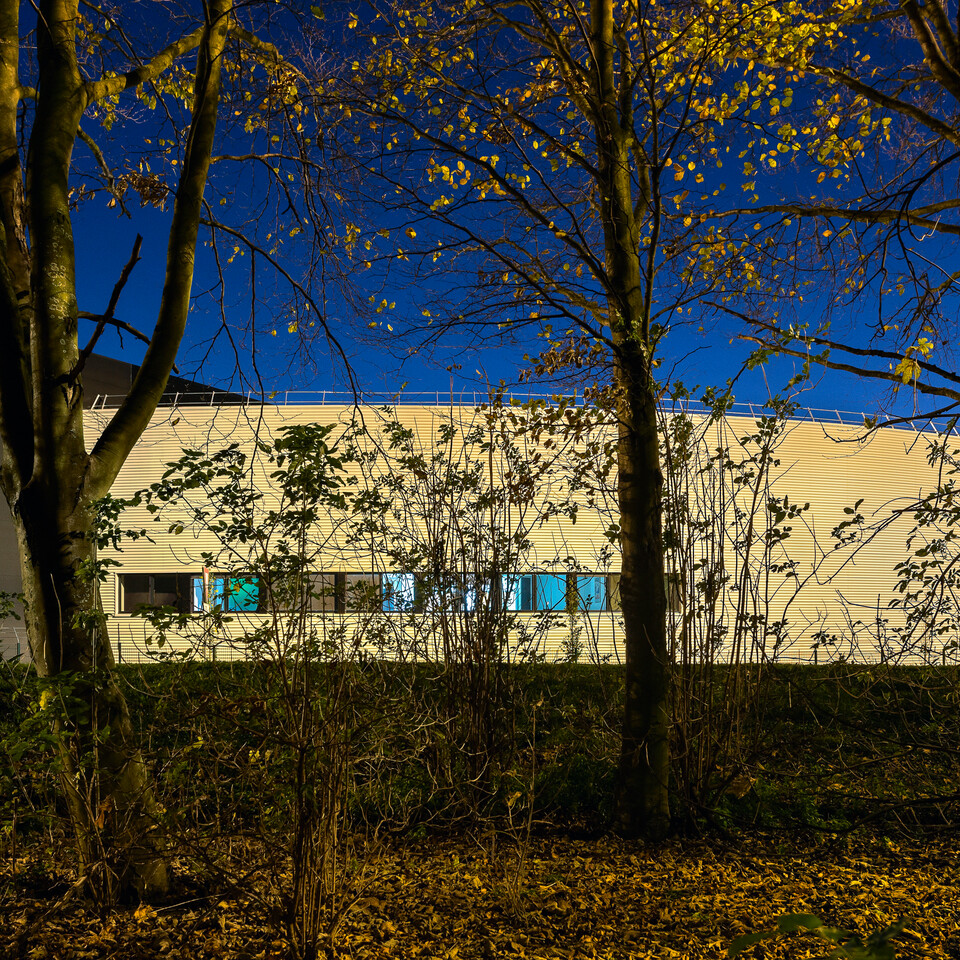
(468, 398)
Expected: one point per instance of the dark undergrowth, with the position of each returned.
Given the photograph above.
(831, 750)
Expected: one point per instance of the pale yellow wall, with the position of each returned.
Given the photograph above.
(831, 467)
(889, 468)
(216, 428)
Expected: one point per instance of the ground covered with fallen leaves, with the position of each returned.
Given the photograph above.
(554, 897)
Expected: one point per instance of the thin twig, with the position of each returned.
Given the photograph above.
(107, 315)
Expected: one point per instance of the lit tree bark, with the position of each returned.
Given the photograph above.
(642, 799)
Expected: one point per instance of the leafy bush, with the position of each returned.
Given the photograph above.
(847, 945)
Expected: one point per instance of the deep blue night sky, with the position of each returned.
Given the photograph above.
(707, 358)
(280, 362)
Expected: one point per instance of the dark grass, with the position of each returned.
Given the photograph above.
(830, 749)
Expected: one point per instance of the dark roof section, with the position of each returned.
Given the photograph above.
(106, 377)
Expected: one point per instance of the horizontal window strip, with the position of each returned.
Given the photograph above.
(362, 592)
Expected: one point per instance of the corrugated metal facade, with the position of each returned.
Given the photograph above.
(833, 600)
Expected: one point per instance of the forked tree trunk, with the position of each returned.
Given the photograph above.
(49, 479)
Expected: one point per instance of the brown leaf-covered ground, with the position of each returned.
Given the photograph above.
(472, 900)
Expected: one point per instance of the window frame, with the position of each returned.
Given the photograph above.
(181, 593)
(344, 589)
(210, 592)
(530, 588)
(402, 585)
(580, 584)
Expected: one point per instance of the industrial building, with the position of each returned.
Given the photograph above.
(460, 525)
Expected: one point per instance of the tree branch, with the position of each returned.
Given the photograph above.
(932, 123)
(939, 67)
(294, 284)
(888, 376)
(97, 90)
(102, 163)
(111, 306)
(781, 345)
(866, 352)
(883, 215)
(255, 43)
(129, 422)
(114, 322)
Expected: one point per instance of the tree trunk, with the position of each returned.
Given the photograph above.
(642, 802)
(49, 479)
(114, 815)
